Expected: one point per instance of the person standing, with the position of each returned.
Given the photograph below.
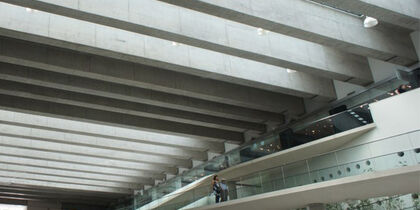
(216, 188)
(224, 190)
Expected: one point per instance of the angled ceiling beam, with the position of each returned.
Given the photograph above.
(13, 129)
(86, 160)
(27, 181)
(132, 94)
(117, 119)
(35, 143)
(126, 107)
(120, 174)
(92, 130)
(401, 13)
(76, 174)
(307, 21)
(48, 191)
(5, 172)
(101, 40)
(127, 73)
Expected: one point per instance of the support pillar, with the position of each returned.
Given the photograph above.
(232, 190)
(251, 135)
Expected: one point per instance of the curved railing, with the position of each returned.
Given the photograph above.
(332, 165)
(298, 134)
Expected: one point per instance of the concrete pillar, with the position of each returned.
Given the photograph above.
(415, 36)
(196, 163)
(232, 190)
(212, 155)
(251, 135)
(229, 146)
(181, 170)
(316, 206)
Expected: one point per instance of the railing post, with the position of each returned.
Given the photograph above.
(284, 178)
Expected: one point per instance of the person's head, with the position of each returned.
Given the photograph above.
(404, 87)
(223, 180)
(215, 178)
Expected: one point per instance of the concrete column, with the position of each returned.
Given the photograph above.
(415, 36)
(232, 190)
(250, 135)
(316, 206)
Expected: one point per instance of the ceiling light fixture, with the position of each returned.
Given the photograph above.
(370, 22)
(290, 71)
(261, 31)
(175, 44)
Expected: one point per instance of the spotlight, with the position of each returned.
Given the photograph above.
(370, 22)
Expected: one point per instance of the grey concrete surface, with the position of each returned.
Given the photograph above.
(222, 36)
(307, 21)
(133, 94)
(119, 44)
(128, 73)
(117, 119)
(125, 107)
(401, 13)
(92, 130)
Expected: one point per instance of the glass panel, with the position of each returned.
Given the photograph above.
(299, 134)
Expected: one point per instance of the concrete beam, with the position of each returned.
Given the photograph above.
(117, 119)
(226, 37)
(6, 172)
(125, 107)
(28, 190)
(401, 13)
(307, 21)
(27, 181)
(109, 132)
(28, 131)
(77, 175)
(80, 199)
(86, 160)
(127, 93)
(13, 195)
(142, 76)
(120, 44)
(36, 143)
(110, 173)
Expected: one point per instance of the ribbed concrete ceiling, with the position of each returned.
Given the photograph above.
(102, 97)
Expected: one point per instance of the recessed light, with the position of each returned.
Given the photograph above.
(175, 44)
(261, 31)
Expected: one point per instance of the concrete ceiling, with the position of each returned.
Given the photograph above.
(97, 102)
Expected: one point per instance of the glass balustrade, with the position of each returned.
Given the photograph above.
(297, 134)
(325, 167)
(353, 118)
(401, 202)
